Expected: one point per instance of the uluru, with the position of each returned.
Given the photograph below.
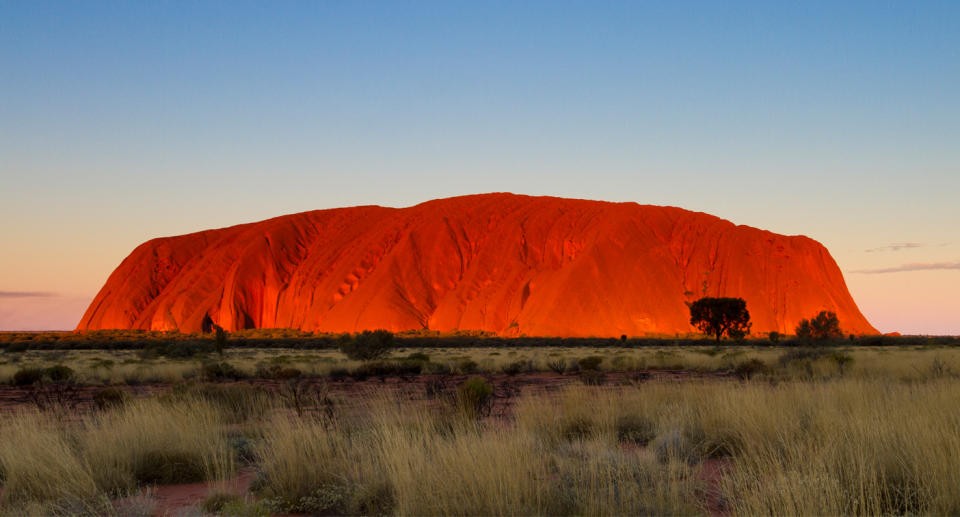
(501, 263)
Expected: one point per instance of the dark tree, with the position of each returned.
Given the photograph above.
(719, 316)
(368, 345)
(821, 327)
(221, 339)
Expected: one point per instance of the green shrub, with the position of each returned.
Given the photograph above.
(59, 373)
(593, 377)
(576, 428)
(418, 356)
(378, 369)
(373, 499)
(243, 448)
(286, 373)
(517, 367)
(27, 376)
(747, 369)
(670, 445)
(590, 362)
(328, 499)
(557, 365)
(475, 397)
(176, 349)
(106, 398)
(168, 467)
(800, 355)
(16, 348)
(217, 501)
(368, 345)
(842, 360)
(220, 371)
(437, 368)
(106, 364)
(634, 428)
(408, 368)
(338, 374)
(468, 366)
(237, 403)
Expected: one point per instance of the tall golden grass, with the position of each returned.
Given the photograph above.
(76, 465)
(824, 445)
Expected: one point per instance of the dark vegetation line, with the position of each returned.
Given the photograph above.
(296, 339)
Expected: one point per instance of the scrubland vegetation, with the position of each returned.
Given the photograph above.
(139, 367)
(823, 430)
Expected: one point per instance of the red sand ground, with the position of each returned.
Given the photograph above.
(502, 263)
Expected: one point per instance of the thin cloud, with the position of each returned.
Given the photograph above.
(25, 294)
(911, 267)
(897, 246)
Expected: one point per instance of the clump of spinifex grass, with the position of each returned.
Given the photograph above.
(39, 465)
(437, 461)
(149, 442)
(857, 447)
(864, 448)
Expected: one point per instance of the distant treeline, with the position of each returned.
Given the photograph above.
(297, 339)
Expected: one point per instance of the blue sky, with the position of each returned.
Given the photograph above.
(122, 121)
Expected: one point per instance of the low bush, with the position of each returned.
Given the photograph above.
(801, 354)
(576, 428)
(327, 499)
(634, 428)
(216, 502)
(242, 448)
(235, 403)
(27, 376)
(842, 360)
(16, 348)
(557, 365)
(220, 371)
(437, 368)
(372, 499)
(286, 373)
(368, 345)
(169, 467)
(670, 445)
(475, 397)
(59, 373)
(515, 367)
(106, 398)
(591, 362)
(338, 374)
(749, 368)
(418, 356)
(177, 349)
(467, 366)
(593, 377)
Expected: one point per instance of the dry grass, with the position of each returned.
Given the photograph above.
(883, 437)
(40, 465)
(52, 465)
(149, 441)
(99, 367)
(415, 461)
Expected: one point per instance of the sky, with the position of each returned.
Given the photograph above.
(125, 121)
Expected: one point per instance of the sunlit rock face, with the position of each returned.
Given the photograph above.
(509, 264)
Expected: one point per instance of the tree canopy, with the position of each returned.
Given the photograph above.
(368, 345)
(821, 327)
(719, 316)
